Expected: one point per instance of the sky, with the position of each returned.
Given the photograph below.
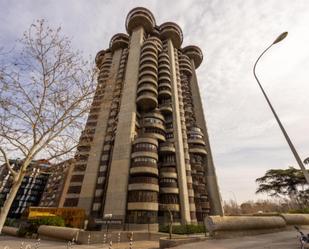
(245, 138)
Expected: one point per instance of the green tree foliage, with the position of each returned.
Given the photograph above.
(183, 229)
(285, 183)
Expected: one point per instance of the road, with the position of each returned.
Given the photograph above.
(279, 240)
(15, 243)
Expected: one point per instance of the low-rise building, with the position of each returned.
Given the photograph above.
(57, 184)
(31, 189)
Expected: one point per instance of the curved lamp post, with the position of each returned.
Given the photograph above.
(299, 161)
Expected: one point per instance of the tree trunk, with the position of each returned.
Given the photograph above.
(10, 198)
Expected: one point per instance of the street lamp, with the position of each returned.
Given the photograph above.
(299, 161)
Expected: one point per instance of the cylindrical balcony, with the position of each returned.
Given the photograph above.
(164, 91)
(164, 72)
(148, 54)
(165, 174)
(196, 149)
(142, 217)
(146, 99)
(140, 17)
(148, 76)
(158, 42)
(142, 170)
(142, 197)
(142, 203)
(169, 207)
(164, 79)
(169, 203)
(164, 58)
(169, 190)
(194, 53)
(168, 169)
(147, 206)
(119, 41)
(144, 157)
(99, 58)
(168, 183)
(196, 141)
(170, 30)
(167, 148)
(166, 108)
(164, 68)
(153, 125)
(149, 183)
(185, 65)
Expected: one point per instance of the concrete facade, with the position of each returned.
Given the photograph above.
(145, 150)
(57, 184)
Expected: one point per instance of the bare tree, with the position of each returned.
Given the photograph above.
(45, 92)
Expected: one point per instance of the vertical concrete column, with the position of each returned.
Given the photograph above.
(211, 178)
(180, 159)
(91, 173)
(116, 194)
(66, 185)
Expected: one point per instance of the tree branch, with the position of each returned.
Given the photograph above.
(7, 163)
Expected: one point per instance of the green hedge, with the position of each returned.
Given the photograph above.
(31, 226)
(50, 221)
(11, 222)
(299, 211)
(183, 229)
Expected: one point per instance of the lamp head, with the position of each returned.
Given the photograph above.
(280, 37)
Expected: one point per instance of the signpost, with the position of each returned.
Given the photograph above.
(107, 220)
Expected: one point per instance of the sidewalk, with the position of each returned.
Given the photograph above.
(15, 243)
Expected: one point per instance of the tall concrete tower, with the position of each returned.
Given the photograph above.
(145, 148)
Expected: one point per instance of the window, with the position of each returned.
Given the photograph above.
(96, 206)
(100, 180)
(144, 159)
(80, 167)
(71, 202)
(98, 192)
(144, 147)
(142, 196)
(143, 179)
(74, 189)
(153, 121)
(77, 178)
(169, 199)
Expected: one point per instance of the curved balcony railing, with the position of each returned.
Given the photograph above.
(170, 30)
(195, 54)
(146, 100)
(197, 149)
(167, 148)
(140, 17)
(185, 65)
(119, 41)
(143, 179)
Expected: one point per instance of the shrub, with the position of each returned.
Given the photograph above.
(183, 229)
(22, 231)
(50, 221)
(11, 222)
(32, 226)
(299, 211)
